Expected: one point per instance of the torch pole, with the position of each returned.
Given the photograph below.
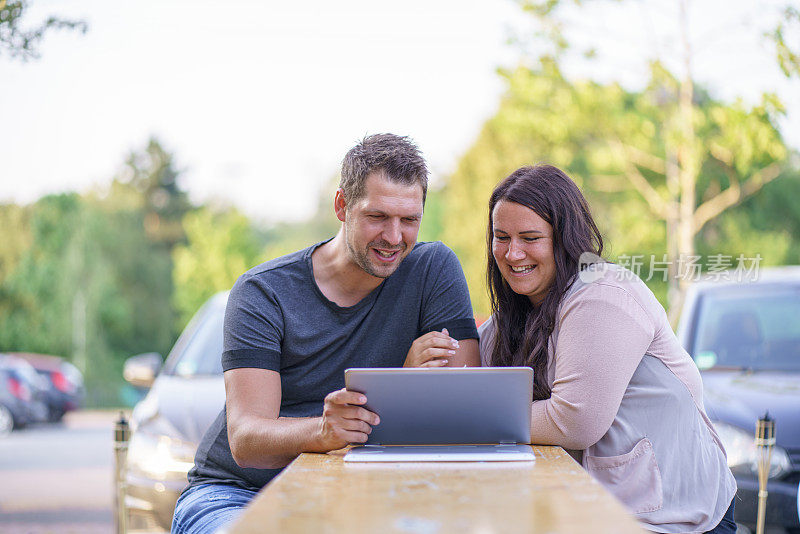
(765, 441)
(122, 435)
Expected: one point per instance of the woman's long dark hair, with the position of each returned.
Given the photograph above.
(522, 328)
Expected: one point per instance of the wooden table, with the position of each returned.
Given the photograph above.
(321, 493)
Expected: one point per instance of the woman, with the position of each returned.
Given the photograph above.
(610, 378)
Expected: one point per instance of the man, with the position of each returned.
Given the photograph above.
(369, 297)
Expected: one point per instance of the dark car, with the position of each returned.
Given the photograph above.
(184, 398)
(745, 338)
(22, 394)
(65, 391)
(15, 399)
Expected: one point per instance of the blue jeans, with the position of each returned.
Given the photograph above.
(727, 525)
(208, 507)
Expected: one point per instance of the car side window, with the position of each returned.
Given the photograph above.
(202, 354)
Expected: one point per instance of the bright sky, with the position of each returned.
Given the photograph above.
(259, 100)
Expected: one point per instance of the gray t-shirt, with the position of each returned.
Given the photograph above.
(278, 319)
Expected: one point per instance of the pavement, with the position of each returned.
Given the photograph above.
(59, 477)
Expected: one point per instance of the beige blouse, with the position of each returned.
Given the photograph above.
(626, 394)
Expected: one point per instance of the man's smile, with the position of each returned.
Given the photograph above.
(387, 255)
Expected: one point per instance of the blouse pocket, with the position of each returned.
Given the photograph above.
(633, 478)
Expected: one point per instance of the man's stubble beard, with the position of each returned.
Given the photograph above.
(361, 258)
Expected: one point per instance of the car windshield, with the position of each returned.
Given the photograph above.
(202, 353)
(750, 327)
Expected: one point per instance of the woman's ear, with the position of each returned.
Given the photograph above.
(340, 205)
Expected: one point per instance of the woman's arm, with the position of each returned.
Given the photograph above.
(603, 335)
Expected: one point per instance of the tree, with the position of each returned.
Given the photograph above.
(90, 287)
(35, 310)
(15, 222)
(432, 227)
(221, 245)
(148, 181)
(689, 157)
(284, 238)
(23, 43)
(581, 127)
(544, 118)
(89, 277)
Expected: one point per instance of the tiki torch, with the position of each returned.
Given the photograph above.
(122, 435)
(765, 441)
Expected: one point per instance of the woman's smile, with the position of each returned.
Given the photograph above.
(522, 269)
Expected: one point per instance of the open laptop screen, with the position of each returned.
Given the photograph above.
(480, 405)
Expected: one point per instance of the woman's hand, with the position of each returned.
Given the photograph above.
(431, 350)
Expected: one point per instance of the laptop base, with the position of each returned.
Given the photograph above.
(441, 453)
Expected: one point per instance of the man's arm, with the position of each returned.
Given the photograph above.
(260, 439)
(446, 317)
(467, 354)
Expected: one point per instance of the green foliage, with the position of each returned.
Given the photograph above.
(91, 287)
(284, 238)
(16, 237)
(37, 279)
(149, 182)
(89, 277)
(23, 42)
(220, 247)
(601, 135)
(764, 226)
(544, 118)
(703, 157)
(788, 57)
(432, 227)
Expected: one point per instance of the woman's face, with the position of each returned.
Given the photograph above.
(522, 246)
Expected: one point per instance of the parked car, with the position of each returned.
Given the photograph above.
(184, 398)
(65, 390)
(745, 339)
(14, 403)
(28, 389)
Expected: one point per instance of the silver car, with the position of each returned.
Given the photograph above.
(744, 335)
(185, 396)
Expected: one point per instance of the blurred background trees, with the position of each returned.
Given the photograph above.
(221, 245)
(101, 276)
(94, 284)
(663, 166)
(612, 142)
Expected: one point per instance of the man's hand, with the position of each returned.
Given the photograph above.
(344, 421)
(431, 350)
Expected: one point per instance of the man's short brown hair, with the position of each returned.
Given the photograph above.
(397, 157)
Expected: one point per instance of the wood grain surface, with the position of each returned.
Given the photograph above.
(319, 493)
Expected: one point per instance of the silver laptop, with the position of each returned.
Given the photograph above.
(445, 414)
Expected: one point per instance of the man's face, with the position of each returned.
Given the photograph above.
(381, 227)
